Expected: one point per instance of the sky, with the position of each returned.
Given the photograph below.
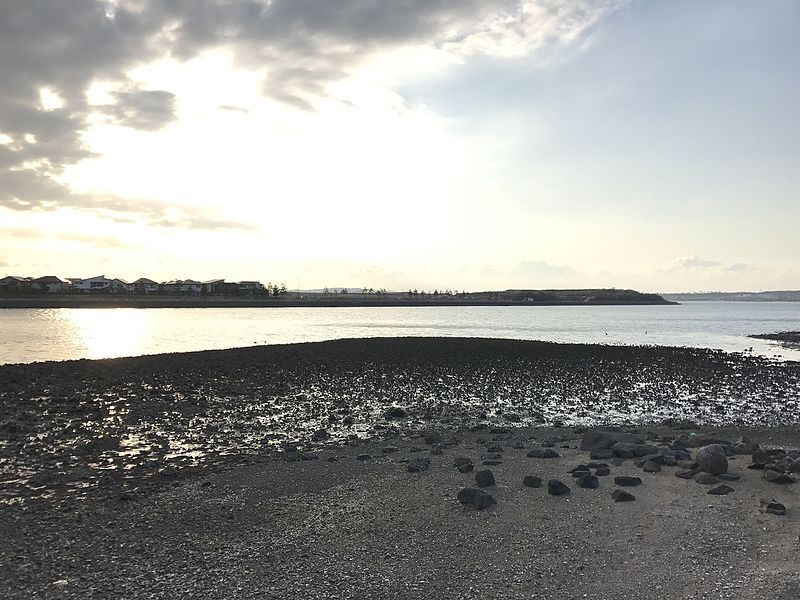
(430, 144)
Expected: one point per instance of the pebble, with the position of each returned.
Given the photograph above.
(589, 482)
(557, 488)
(542, 453)
(622, 496)
(418, 465)
(626, 481)
(532, 481)
(720, 490)
(704, 478)
(484, 478)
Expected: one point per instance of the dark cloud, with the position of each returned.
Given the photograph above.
(300, 45)
(147, 110)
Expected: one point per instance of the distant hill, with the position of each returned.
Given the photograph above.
(773, 296)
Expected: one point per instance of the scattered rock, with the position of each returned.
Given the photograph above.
(651, 467)
(704, 478)
(596, 439)
(466, 468)
(720, 490)
(601, 453)
(772, 507)
(320, 434)
(483, 500)
(395, 412)
(686, 473)
(626, 481)
(589, 482)
(622, 496)
(542, 453)
(532, 481)
(418, 465)
(390, 449)
(557, 488)
(492, 462)
(711, 459)
(484, 478)
(778, 477)
(728, 477)
(363, 457)
(602, 471)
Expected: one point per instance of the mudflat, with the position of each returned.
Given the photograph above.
(333, 470)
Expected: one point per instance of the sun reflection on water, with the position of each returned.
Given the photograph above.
(109, 332)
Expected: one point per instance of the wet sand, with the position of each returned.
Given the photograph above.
(207, 475)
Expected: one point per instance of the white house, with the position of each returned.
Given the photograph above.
(145, 286)
(49, 284)
(98, 284)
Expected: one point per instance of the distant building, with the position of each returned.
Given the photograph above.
(144, 286)
(214, 287)
(93, 285)
(11, 284)
(183, 287)
(251, 287)
(49, 284)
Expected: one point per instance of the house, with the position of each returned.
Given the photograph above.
(251, 288)
(144, 286)
(214, 287)
(11, 284)
(93, 285)
(49, 284)
(119, 286)
(184, 287)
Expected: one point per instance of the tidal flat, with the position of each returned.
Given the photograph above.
(327, 470)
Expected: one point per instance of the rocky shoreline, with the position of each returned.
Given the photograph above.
(398, 468)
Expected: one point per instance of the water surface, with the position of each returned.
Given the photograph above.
(30, 335)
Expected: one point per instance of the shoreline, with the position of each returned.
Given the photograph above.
(286, 472)
(143, 302)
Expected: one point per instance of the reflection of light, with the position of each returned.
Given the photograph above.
(109, 332)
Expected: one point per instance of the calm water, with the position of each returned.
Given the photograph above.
(29, 335)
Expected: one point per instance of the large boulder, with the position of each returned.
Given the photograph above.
(711, 459)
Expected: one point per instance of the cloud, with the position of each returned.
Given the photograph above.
(692, 263)
(232, 108)
(57, 50)
(147, 110)
(741, 268)
(94, 240)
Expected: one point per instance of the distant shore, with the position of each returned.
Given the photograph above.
(75, 301)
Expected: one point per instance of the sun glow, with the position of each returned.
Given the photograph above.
(109, 333)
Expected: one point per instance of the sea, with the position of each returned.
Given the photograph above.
(33, 335)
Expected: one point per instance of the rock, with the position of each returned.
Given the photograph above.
(484, 478)
(320, 434)
(720, 490)
(579, 474)
(518, 445)
(363, 457)
(395, 412)
(651, 467)
(704, 478)
(596, 439)
(760, 459)
(542, 453)
(645, 450)
(622, 496)
(532, 481)
(492, 456)
(728, 477)
(773, 508)
(602, 471)
(492, 462)
(778, 477)
(579, 468)
(169, 471)
(657, 459)
(467, 495)
(465, 468)
(626, 481)
(461, 460)
(794, 467)
(483, 500)
(494, 448)
(589, 482)
(687, 464)
(711, 459)
(418, 465)
(557, 488)
(601, 453)
(686, 473)
(624, 450)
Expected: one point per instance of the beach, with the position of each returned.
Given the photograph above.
(326, 470)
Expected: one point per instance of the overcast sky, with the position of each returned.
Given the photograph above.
(465, 144)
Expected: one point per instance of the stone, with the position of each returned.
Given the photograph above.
(579, 468)
(794, 467)
(320, 434)
(466, 468)
(395, 412)
(657, 459)
(728, 477)
(492, 456)
(624, 450)
(589, 482)
(518, 445)
(492, 462)
(597, 465)
(557, 488)
(720, 490)
(760, 459)
(595, 439)
(542, 453)
(483, 500)
(651, 467)
(461, 460)
(704, 478)
(773, 508)
(602, 471)
(778, 477)
(579, 474)
(418, 465)
(711, 459)
(484, 478)
(532, 481)
(626, 481)
(601, 453)
(494, 448)
(687, 464)
(622, 496)
(363, 457)
(686, 473)
(645, 450)
(467, 495)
